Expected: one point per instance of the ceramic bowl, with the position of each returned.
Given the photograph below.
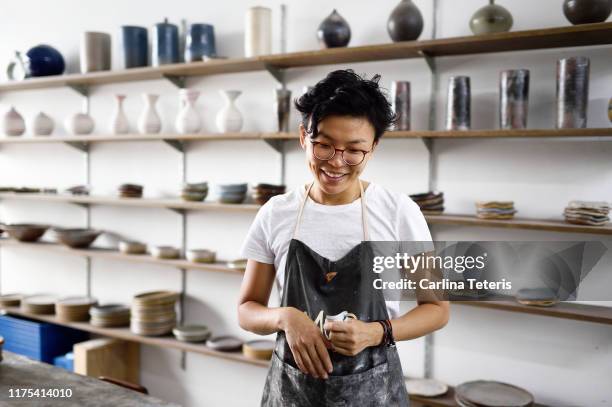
(201, 256)
(232, 188)
(165, 252)
(196, 187)
(191, 333)
(25, 232)
(130, 247)
(232, 198)
(194, 196)
(76, 238)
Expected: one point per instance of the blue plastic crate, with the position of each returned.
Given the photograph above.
(38, 340)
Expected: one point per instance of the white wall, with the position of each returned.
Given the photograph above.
(565, 363)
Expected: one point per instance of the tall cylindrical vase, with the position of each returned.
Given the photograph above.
(458, 108)
(258, 32)
(135, 46)
(401, 104)
(572, 92)
(149, 121)
(95, 52)
(119, 122)
(283, 108)
(513, 99)
(165, 47)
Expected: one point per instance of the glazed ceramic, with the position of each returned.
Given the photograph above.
(79, 124)
(135, 46)
(283, 108)
(149, 121)
(13, 123)
(95, 52)
(165, 47)
(130, 247)
(513, 99)
(458, 108)
(400, 91)
(200, 42)
(18, 68)
(258, 32)
(334, 31)
(572, 92)
(188, 120)
(25, 232)
(42, 125)
(587, 11)
(405, 22)
(491, 19)
(119, 122)
(229, 119)
(44, 60)
(165, 252)
(76, 237)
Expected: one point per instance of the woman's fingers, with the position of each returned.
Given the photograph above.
(343, 350)
(298, 361)
(316, 361)
(308, 363)
(324, 356)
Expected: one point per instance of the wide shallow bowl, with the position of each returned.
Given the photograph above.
(201, 256)
(165, 252)
(76, 238)
(131, 247)
(232, 187)
(25, 232)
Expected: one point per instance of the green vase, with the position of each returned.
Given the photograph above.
(491, 19)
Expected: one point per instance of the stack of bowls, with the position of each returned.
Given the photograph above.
(263, 192)
(195, 192)
(25, 232)
(165, 252)
(153, 313)
(110, 315)
(191, 333)
(76, 238)
(10, 300)
(130, 191)
(232, 193)
(132, 247)
(39, 304)
(74, 309)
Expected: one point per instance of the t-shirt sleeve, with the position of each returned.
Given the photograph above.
(257, 246)
(412, 226)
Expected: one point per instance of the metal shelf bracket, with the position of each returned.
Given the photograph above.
(82, 90)
(178, 81)
(277, 73)
(79, 145)
(176, 144)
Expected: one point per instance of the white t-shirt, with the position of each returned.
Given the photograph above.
(332, 230)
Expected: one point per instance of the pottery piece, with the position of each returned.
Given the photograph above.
(405, 22)
(610, 110)
(10, 300)
(191, 333)
(76, 237)
(490, 19)
(229, 119)
(225, 343)
(195, 192)
(258, 32)
(13, 123)
(201, 256)
(165, 44)
(458, 107)
(165, 252)
(572, 92)
(334, 31)
(44, 60)
(400, 91)
(200, 42)
(79, 124)
(95, 52)
(135, 46)
(513, 99)
(188, 120)
(25, 232)
(131, 247)
(587, 11)
(149, 121)
(425, 387)
(260, 349)
(42, 125)
(283, 108)
(18, 68)
(119, 122)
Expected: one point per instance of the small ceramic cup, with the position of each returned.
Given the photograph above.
(343, 316)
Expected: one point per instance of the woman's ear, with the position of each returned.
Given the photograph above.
(302, 136)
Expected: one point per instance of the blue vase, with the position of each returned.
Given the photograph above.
(45, 60)
(200, 42)
(165, 44)
(135, 46)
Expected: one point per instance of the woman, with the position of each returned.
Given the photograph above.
(310, 242)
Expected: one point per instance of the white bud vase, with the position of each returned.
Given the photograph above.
(119, 122)
(79, 124)
(13, 123)
(229, 119)
(188, 121)
(42, 125)
(149, 121)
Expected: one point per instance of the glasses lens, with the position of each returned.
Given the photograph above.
(323, 151)
(353, 157)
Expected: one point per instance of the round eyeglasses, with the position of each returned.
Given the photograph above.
(326, 152)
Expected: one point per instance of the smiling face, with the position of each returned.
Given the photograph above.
(335, 181)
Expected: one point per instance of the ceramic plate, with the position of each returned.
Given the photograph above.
(226, 343)
(493, 394)
(426, 387)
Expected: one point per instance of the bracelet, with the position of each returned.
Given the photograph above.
(387, 332)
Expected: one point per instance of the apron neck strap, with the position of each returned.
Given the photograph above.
(364, 212)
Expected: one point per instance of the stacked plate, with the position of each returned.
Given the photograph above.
(191, 333)
(78, 190)
(501, 210)
(10, 300)
(201, 256)
(587, 213)
(431, 203)
(132, 247)
(195, 192)
(39, 304)
(225, 343)
(541, 297)
(130, 191)
(425, 387)
(482, 393)
(110, 315)
(258, 349)
(232, 193)
(74, 309)
(263, 192)
(153, 313)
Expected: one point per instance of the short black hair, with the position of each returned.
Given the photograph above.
(344, 93)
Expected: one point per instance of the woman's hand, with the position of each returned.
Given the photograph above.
(352, 336)
(306, 344)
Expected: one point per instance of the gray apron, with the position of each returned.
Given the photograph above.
(322, 287)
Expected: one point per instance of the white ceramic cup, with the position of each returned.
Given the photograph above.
(343, 316)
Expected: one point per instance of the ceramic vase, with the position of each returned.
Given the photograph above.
(587, 11)
(513, 99)
(149, 121)
(405, 22)
(95, 52)
(188, 120)
(400, 91)
(491, 19)
(229, 119)
(334, 31)
(42, 125)
(200, 42)
(458, 108)
(572, 92)
(119, 122)
(13, 123)
(258, 32)
(165, 45)
(79, 124)
(283, 108)
(135, 46)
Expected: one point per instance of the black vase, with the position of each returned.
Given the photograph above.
(587, 11)
(405, 22)
(334, 31)
(458, 107)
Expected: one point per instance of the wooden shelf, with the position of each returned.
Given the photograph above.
(126, 334)
(560, 37)
(109, 254)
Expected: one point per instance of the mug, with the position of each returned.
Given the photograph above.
(343, 316)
